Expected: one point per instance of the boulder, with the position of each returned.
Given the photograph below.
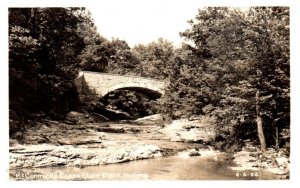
(12, 142)
(189, 131)
(282, 161)
(153, 119)
(78, 118)
(36, 140)
(194, 153)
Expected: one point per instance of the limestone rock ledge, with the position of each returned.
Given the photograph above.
(25, 156)
(185, 130)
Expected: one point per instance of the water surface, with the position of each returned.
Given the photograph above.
(161, 168)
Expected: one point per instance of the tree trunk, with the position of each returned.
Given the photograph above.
(276, 139)
(259, 124)
(275, 129)
(274, 123)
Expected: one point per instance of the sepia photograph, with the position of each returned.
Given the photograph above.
(141, 90)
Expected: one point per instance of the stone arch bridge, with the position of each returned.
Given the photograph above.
(101, 84)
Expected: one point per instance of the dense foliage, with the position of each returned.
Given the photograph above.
(155, 59)
(235, 67)
(134, 103)
(43, 48)
(98, 50)
(122, 60)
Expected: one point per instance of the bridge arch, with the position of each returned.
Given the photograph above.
(151, 94)
(102, 84)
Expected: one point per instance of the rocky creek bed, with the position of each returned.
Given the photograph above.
(56, 144)
(60, 144)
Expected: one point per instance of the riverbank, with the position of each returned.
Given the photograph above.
(275, 161)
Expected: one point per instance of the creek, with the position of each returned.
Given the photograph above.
(161, 168)
(177, 166)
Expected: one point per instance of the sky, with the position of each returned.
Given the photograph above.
(141, 22)
(144, 21)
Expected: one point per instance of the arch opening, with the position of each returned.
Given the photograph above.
(133, 101)
(151, 94)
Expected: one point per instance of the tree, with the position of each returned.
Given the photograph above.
(22, 68)
(134, 103)
(204, 65)
(155, 58)
(43, 60)
(98, 50)
(236, 68)
(270, 39)
(122, 60)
